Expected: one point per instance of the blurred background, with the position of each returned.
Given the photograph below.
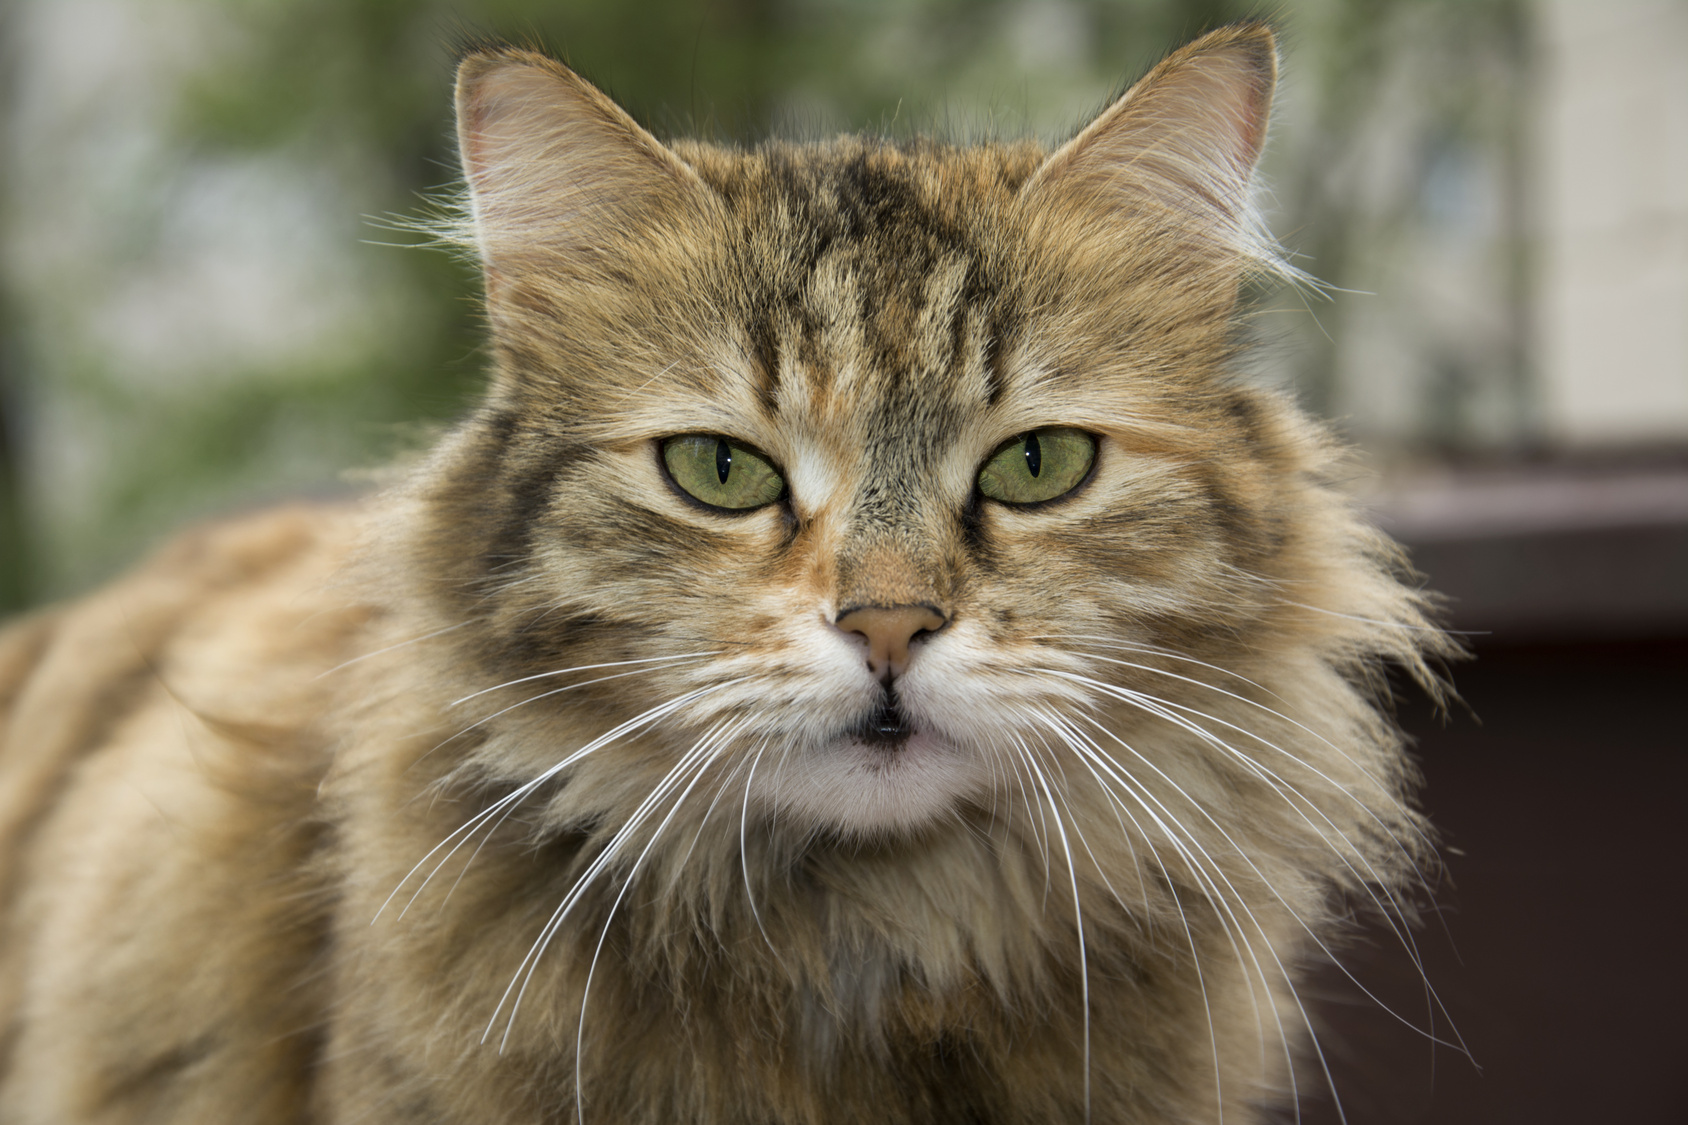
(204, 305)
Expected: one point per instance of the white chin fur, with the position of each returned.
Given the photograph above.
(859, 789)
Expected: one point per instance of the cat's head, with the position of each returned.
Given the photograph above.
(871, 470)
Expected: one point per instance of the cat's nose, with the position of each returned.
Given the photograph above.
(888, 630)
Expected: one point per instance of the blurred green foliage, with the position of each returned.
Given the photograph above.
(356, 94)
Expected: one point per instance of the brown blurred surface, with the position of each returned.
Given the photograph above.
(1559, 950)
(1586, 546)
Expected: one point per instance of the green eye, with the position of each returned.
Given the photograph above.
(721, 473)
(1038, 466)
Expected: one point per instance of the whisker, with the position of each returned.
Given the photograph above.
(1078, 924)
(391, 648)
(525, 970)
(643, 719)
(1125, 834)
(1201, 863)
(626, 885)
(1242, 904)
(1153, 650)
(545, 695)
(1183, 841)
(1285, 789)
(744, 861)
(1130, 695)
(1402, 625)
(1367, 882)
(1403, 934)
(1382, 787)
(720, 791)
(1159, 707)
(1042, 841)
(676, 658)
(1178, 844)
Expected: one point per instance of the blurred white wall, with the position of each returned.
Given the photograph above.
(1612, 160)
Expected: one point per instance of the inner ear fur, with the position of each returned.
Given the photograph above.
(1176, 152)
(557, 172)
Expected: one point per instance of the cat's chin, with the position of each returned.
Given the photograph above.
(862, 785)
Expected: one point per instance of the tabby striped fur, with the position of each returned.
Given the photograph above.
(533, 790)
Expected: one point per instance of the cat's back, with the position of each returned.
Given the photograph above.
(161, 744)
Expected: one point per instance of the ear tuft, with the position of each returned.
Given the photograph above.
(555, 168)
(1178, 149)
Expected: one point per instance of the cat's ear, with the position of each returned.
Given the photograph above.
(1178, 149)
(556, 170)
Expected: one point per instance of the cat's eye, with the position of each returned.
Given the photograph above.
(1038, 466)
(722, 473)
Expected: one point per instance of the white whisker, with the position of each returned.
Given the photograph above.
(1153, 704)
(1154, 650)
(744, 862)
(1243, 699)
(1043, 841)
(1182, 842)
(663, 660)
(1405, 626)
(707, 752)
(639, 721)
(1370, 879)
(525, 971)
(1078, 923)
(1242, 904)
(392, 648)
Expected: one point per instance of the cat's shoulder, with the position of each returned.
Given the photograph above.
(272, 590)
(162, 744)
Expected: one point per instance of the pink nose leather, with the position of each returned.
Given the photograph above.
(888, 630)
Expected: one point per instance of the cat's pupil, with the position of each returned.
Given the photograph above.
(1034, 455)
(723, 459)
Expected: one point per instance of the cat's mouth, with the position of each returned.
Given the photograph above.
(887, 728)
(890, 770)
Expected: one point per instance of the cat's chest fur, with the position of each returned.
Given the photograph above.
(867, 658)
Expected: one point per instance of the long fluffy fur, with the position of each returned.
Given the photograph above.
(527, 792)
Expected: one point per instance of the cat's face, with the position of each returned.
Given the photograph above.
(873, 455)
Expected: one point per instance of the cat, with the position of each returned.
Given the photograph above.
(869, 657)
